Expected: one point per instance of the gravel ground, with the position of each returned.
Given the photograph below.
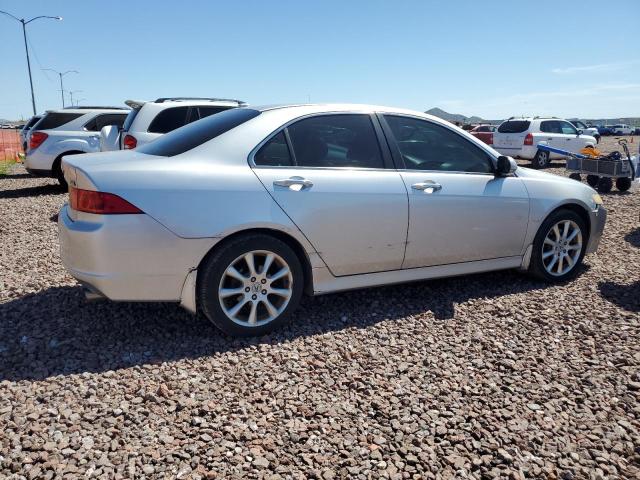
(486, 376)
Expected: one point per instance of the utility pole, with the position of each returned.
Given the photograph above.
(71, 92)
(61, 74)
(26, 48)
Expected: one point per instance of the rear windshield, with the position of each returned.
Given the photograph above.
(194, 134)
(55, 120)
(31, 122)
(130, 117)
(514, 126)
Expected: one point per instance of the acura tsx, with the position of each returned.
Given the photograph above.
(238, 214)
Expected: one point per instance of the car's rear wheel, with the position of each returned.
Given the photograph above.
(56, 169)
(559, 247)
(541, 160)
(575, 176)
(251, 285)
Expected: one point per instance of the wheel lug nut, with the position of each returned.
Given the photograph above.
(263, 281)
(247, 289)
(254, 297)
(253, 279)
(264, 292)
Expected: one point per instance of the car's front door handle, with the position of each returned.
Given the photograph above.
(291, 181)
(430, 187)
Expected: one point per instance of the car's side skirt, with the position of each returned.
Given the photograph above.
(324, 282)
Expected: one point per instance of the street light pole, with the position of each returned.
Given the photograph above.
(71, 92)
(26, 48)
(62, 74)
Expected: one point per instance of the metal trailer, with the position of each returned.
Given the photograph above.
(601, 170)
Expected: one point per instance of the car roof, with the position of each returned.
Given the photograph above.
(342, 107)
(187, 101)
(85, 110)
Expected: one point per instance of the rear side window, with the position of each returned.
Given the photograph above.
(551, 126)
(347, 140)
(100, 121)
(169, 119)
(274, 153)
(55, 120)
(514, 126)
(206, 111)
(197, 133)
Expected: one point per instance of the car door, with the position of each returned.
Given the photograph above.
(330, 176)
(459, 211)
(571, 138)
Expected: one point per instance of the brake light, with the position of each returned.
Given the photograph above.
(99, 202)
(130, 142)
(36, 139)
(490, 139)
(528, 140)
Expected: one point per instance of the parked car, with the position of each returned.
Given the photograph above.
(25, 131)
(69, 131)
(586, 130)
(622, 129)
(237, 214)
(149, 120)
(605, 130)
(636, 131)
(519, 137)
(484, 133)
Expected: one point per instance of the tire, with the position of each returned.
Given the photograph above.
(597, 137)
(249, 320)
(542, 264)
(623, 183)
(56, 169)
(576, 177)
(593, 180)
(541, 160)
(605, 184)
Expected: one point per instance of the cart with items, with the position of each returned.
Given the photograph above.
(601, 170)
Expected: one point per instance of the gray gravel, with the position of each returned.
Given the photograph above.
(487, 376)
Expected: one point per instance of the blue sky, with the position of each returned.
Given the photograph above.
(488, 58)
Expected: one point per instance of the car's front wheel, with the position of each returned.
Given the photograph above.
(251, 285)
(559, 247)
(541, 160)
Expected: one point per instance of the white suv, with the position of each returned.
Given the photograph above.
(519, 137)
(149, 120)
(586, 130)
(69, 131)
(622, 129)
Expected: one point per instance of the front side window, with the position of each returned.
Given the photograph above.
(346, 140)
(426, 145)
(169, 119)
(100, 121)
(567, 128)
(274, 153)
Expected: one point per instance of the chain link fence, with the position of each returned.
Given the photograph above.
(10, 147)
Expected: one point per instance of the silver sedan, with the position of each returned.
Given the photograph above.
(239, 214)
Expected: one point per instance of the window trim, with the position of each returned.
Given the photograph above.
(397, 156)
(384, 152)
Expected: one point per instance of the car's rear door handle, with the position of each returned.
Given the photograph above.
(428, 186)
(291, 181)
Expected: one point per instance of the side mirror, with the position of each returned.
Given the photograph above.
(580, 132)
(109, 138)
(505, 166)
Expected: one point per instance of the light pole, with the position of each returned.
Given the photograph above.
(71, 92)
(61, 74)
(24, 33)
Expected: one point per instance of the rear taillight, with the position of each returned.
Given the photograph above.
(100, 203)
(490, 139)
(528, 140)
(130, 142)
(36, 139)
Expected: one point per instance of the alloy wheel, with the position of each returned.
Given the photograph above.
(255, 288)
(562, 247)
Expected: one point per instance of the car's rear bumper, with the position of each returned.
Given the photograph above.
(37, 160)
(598, 219)
(127, 257)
